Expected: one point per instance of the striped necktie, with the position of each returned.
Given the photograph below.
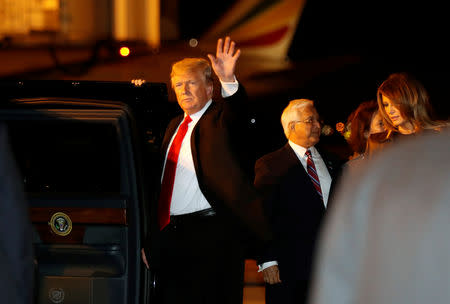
(313, 173)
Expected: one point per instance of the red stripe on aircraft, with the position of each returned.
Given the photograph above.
(266, 39)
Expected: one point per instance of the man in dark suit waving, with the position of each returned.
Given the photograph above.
(205, 191)
(296, 182)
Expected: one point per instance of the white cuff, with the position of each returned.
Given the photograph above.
(229, 88)
(266, 265)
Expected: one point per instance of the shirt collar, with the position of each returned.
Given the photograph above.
(300, 151)
(197, 115)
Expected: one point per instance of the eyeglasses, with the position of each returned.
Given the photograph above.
(310, 120)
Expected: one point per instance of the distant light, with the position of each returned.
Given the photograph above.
(347, 134)
(138, 82)
(327, 130)
(124, 51)
(193, 42)
(340, 126)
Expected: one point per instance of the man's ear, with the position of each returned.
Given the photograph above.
(210, 90)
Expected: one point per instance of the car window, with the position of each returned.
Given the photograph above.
(67, 155)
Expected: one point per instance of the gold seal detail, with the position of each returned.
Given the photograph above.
(61, 224)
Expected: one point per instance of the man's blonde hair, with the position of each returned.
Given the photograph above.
(290, 113)
(189, 65)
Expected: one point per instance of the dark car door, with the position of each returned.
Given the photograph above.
(82, 169)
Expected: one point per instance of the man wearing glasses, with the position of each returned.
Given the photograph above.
(295, 181)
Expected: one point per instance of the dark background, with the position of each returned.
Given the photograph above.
(387, 36)
(383, 36)
(341, 52)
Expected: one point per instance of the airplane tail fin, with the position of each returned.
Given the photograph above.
(262, 28)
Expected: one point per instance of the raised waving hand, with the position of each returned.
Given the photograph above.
(224, 63)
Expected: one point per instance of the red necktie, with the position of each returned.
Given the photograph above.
(313, 173)
(169, 175)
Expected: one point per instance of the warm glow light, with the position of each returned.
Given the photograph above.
(340, 127)
(327, 130)
(124, 51)
(193, 42)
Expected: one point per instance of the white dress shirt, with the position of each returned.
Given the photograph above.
(321, 168)
(187, 196)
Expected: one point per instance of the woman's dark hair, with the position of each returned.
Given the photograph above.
(359, 121)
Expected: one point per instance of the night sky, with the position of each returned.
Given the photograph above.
(388, 35)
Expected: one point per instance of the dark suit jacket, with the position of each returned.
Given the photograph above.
(294, 209)
(220, 170)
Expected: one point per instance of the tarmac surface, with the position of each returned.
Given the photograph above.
(253, 284)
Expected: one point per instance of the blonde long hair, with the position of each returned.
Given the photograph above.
(411, 98)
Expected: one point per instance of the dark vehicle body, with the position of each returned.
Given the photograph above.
(86, 151)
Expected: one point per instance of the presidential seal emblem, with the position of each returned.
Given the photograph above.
(56, 295)
(61, 224)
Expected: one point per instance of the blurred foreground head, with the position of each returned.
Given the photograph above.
(385, 238)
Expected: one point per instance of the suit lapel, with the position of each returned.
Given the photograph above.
(290, 156)
(328, 163)
(171, 128)
(195, 143)
(293, 162)
(303, 175)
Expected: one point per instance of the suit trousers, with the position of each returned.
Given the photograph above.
(202, 261)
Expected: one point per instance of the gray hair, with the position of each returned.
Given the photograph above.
(290, 113)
